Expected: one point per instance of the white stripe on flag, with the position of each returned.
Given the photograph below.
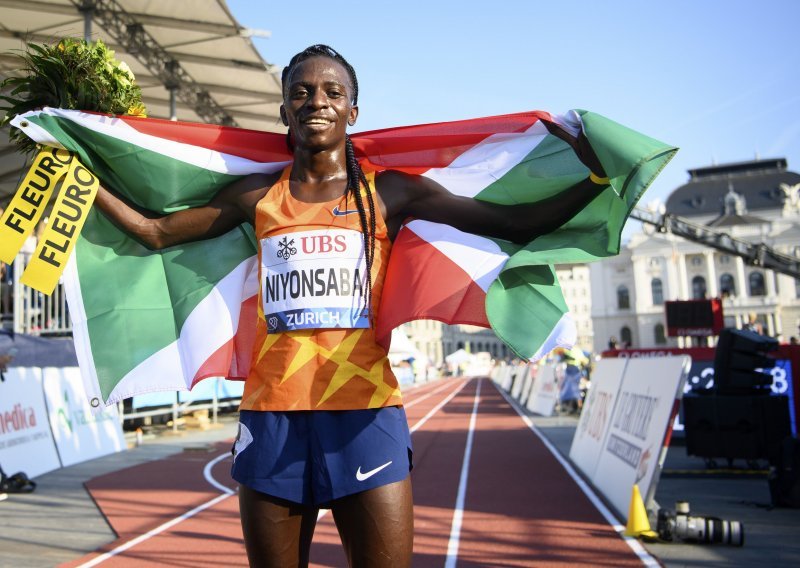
(210, 325)
(489, 160)
(478, 256)
(118, 128)
(564, 334)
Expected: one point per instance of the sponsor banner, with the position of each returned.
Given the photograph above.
(314, 279)
(80, 433)
(20, 217)
(26, 443)
(544, 392)
(595, 421)
(632, 452)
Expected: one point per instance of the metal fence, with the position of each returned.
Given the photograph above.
(32, 312)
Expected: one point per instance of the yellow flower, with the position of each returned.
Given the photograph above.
(137, 110)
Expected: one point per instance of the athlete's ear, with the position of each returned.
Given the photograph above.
(351, 119)
(284, 118)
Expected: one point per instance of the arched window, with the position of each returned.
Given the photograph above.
(658, 334)
(727, 285)
(756, 280)
(698, 288)
(623, 297)
(658, 291)
(626, 336)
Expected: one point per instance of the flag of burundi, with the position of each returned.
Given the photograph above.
(163, 320)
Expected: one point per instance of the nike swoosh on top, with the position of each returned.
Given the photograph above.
(338, 213)
(367, 474)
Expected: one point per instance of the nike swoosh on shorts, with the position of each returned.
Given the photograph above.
(367, 474)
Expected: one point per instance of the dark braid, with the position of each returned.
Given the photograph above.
(355, 178)
(355, 175)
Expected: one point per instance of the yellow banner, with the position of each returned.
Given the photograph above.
(66, 221)
(29, 202)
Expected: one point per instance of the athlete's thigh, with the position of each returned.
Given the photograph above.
(276, 532)
(377, 526)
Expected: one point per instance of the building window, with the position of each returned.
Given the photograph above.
(697, 261)
(725, 259)
(626, 336)
(727, 285)
(658, 333)
(623, 297)
(797, 287)
(756, 280)
(658, 291)
(698, 288)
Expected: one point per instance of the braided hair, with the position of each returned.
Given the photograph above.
(355, 175)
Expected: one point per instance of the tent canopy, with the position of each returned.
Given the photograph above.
(215, 54)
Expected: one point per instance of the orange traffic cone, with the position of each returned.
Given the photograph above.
(638, 523)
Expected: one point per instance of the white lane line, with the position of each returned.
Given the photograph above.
(227, 492)
(436, 408)
(610, 518)
(427, 396)
(210, 478)
(458, 514)
(158, 530)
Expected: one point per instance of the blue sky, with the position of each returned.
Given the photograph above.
(718, 78)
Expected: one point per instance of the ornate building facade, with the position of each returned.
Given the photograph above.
(756, 201)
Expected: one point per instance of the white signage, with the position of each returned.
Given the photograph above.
(26, 443)
(79, 433)
(314, 279)
(544, 392)
(595, 420)
(632, 448)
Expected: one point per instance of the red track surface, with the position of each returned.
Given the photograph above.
(520, 507)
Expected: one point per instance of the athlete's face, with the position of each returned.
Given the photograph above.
(317, 103)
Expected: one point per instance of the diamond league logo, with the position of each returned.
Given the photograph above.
(272, 323)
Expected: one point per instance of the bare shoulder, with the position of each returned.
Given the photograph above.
(397, 189)
(246, 192)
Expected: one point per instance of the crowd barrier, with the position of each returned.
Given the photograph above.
(625, 423)
(47, 423)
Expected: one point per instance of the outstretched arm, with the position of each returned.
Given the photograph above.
(405, 195)
(232, 206)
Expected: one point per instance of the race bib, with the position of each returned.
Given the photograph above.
(314, 279)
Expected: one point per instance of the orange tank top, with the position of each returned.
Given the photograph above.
(309, 259)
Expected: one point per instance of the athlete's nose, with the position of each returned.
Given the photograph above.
(318, 99)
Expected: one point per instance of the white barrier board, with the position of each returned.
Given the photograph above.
(26, 443)
(526, 386)
(79, 434)
(595, 420)
(544, 392)
(519, 381)
(639, 422)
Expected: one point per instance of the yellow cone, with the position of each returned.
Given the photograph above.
(638, 523)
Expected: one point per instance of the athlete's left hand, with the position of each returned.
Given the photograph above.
(580, 145)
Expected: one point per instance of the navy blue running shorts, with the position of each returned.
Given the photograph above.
(314, 457)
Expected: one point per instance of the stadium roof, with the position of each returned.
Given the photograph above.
(218, 75)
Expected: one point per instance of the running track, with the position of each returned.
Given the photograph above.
(488, 491)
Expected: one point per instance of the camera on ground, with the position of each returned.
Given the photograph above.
(680, 524)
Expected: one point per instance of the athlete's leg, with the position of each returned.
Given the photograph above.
(276, 532)
(377, 526)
